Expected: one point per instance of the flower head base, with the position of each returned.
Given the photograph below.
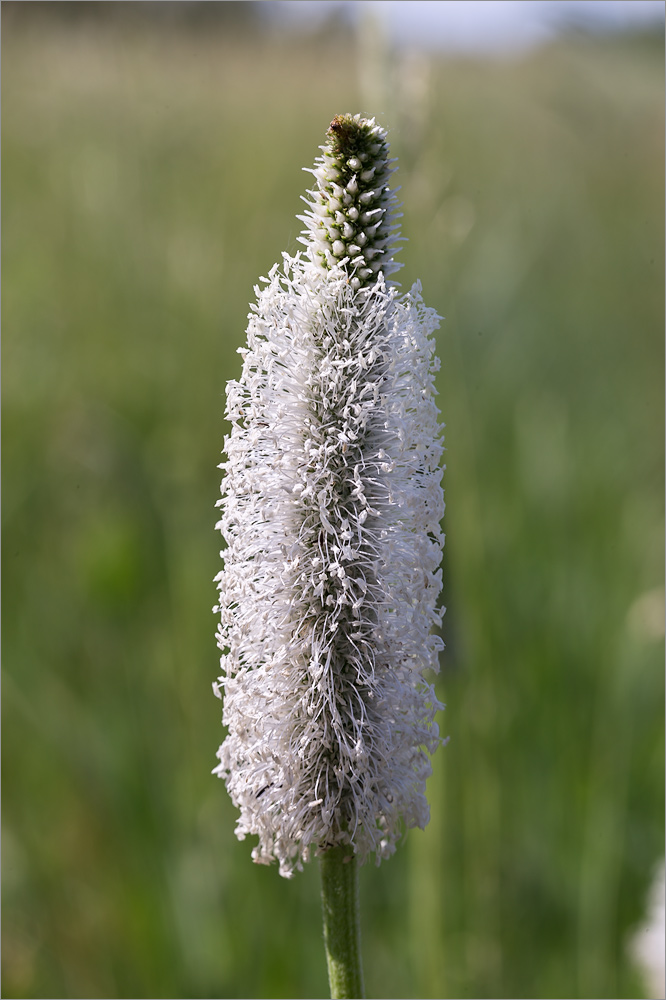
(331, 511)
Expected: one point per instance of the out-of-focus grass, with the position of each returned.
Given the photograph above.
(148, 180)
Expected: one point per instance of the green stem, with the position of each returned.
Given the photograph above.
(342, 926)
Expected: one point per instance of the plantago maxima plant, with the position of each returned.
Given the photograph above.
(331, 513)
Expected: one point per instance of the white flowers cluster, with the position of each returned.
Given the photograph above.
(331, 513)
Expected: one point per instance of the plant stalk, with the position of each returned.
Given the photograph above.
(342, 925)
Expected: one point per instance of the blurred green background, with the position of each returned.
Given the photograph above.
(151, 172)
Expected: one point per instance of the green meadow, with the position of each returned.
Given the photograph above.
(150, 175)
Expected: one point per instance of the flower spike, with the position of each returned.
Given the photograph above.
(331, 513)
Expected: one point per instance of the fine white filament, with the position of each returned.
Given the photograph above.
(331, 514)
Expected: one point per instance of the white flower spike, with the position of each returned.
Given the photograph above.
(331, 513)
